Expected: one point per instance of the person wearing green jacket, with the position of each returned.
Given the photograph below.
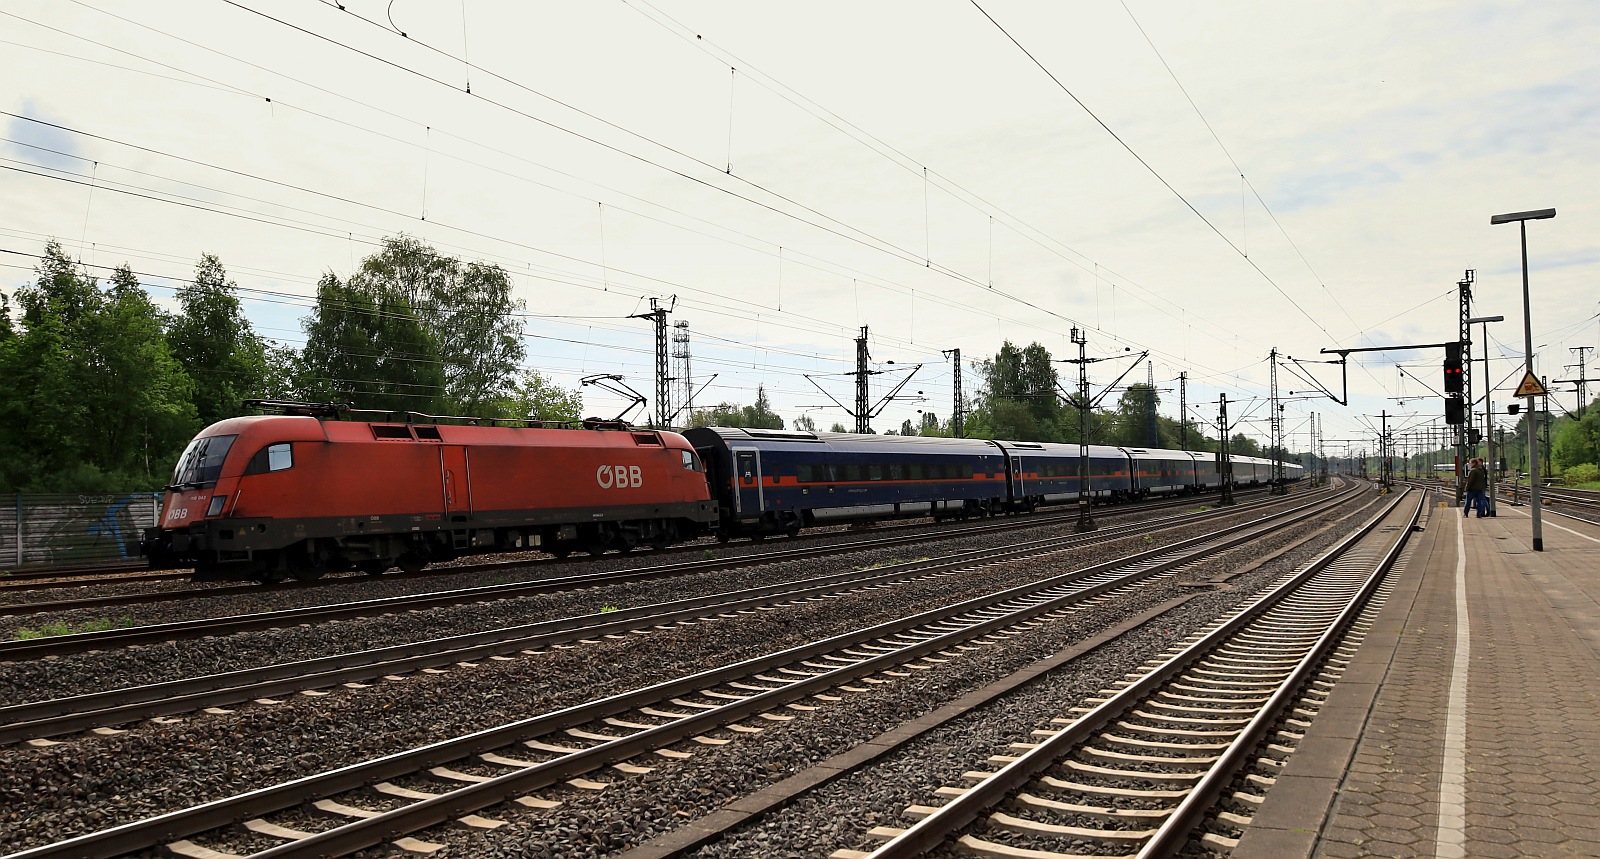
(1477, 489)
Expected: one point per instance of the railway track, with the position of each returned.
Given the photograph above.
(35, 580)
(1189, 742)
(398, 797)
(34, 720)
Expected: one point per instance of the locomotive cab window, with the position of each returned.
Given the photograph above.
(273, 457)
(201, 462)
(690, 461)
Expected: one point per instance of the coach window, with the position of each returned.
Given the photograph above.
(874, 472)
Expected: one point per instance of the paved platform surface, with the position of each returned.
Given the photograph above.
(1468, 724)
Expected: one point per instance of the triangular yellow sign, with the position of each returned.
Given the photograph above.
(1530, 387)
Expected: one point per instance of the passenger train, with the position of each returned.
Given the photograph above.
(316, 487)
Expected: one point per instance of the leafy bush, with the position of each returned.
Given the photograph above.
(1577, 475)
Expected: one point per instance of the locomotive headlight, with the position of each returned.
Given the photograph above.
(216, 504)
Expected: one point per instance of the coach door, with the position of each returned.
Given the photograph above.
(1017, 489)
(455, 483)
(747, 494)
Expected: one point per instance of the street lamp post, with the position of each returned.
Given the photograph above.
(1522, 219)
(1488, 404)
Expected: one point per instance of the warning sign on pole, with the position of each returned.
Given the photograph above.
(1530, 387)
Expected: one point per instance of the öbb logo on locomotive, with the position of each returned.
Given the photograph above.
(618, 476)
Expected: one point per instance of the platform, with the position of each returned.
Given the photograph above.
(1468, 724)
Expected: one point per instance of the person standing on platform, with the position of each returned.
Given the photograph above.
(1477, 490)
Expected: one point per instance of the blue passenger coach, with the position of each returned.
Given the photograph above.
(776, 481)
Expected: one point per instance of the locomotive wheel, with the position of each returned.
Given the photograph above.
(560, 551)
(660, 541)
(595, 548)
(373, 568)
(411, 562)
(722, 536)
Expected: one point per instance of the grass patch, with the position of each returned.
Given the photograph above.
(607, 608)
(53, 629)
(889, 563)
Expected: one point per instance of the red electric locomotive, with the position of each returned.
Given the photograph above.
(316, 488)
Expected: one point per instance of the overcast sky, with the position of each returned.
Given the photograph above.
(791, 172)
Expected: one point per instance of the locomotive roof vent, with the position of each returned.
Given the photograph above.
(1028, 445)
(384, 431)
(649, 438)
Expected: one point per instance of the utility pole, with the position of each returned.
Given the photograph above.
(957, 413)
(862, 374)
(1464, 429)
(680, 358)
(1224, 462)
(1183, 410)
(1279, 485)
(1385, 457)
(1152, 432)
(1085, 520)
(1544, 422)
(1085, 404)
(865, 410)
(658, 314)
(1582, 382)
(1312, 446)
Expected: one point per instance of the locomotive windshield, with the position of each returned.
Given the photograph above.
(201, 462)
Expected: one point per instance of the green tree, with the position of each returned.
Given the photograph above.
(365, 346)
(535, 397)
(216, 345)
(465, 308)
(95, 401)
(804, 423)
(756, 416)
(1243, 445)
(837, 427)
(1135, 408)
(1576, 441)
(1019, 399)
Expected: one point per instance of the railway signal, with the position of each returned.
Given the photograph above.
(1453, 379)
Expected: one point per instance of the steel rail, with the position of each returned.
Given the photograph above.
(959, 812)
(78, 642)
(1097, 579)
(117, 706)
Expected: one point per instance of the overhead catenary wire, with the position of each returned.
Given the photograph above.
(324, 90)
(885, 245)
(341, 234)
(1137, 157)
(912, 166)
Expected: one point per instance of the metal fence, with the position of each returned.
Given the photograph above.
(73, 530)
